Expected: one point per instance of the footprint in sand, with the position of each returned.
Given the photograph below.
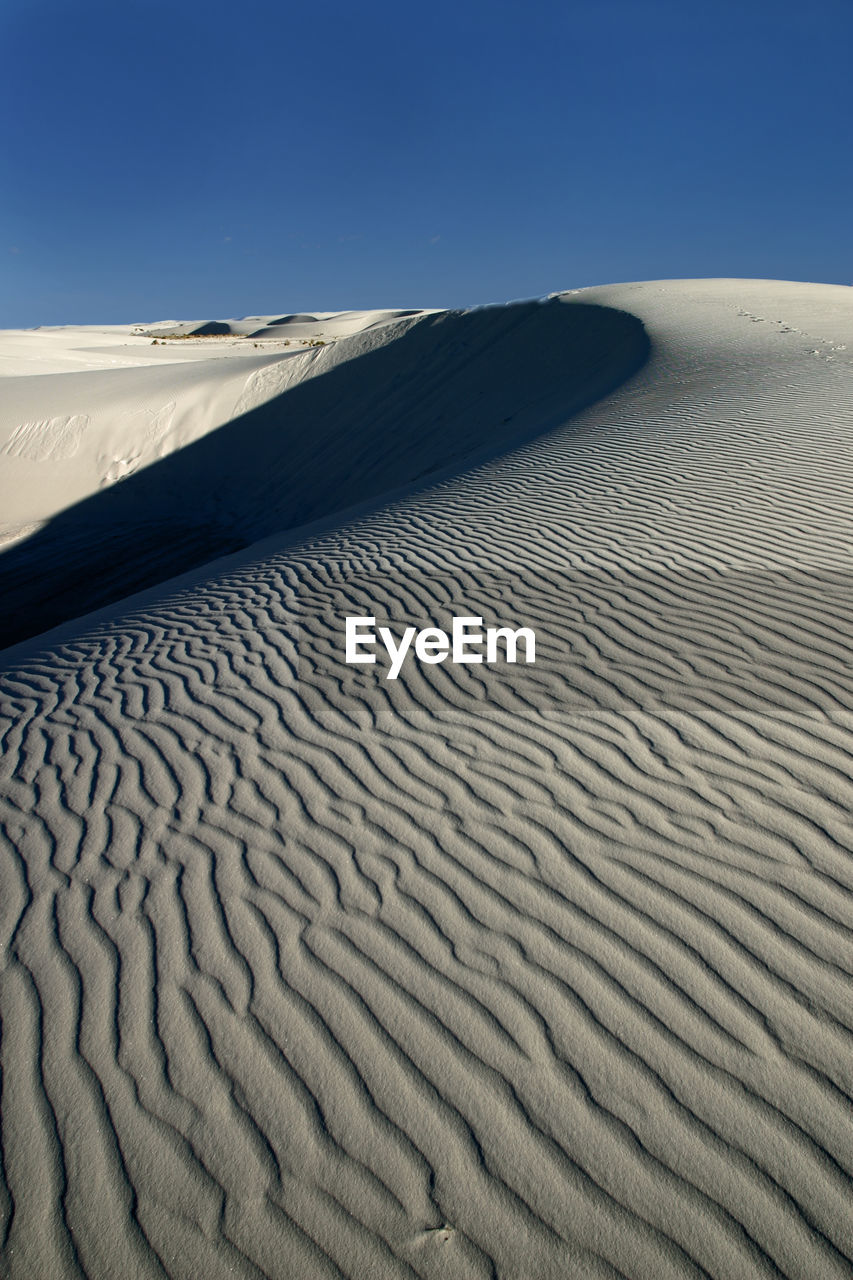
(434, 1236)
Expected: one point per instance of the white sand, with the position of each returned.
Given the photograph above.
(117, 400)
(519, 972)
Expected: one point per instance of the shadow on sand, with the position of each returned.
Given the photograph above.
(453, 389)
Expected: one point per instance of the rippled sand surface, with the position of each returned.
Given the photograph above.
(487, 971)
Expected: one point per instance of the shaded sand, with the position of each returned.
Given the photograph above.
(540, 971)
(211, 459)
(82, 408)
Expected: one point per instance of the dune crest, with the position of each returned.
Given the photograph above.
(300, 439)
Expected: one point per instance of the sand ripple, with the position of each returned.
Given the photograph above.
(479, 973)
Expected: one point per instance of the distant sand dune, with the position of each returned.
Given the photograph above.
(540, 971)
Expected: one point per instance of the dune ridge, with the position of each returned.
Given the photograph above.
(299, 438)
(484, 972)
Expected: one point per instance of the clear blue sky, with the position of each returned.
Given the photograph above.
(197, 160)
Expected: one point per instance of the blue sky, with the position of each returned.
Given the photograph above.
(193, 160)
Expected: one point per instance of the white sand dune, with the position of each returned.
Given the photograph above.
(116, 400)
(487, 971)
(215, 454)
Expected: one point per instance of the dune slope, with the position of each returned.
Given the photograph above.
(229, 457)
(540, 970)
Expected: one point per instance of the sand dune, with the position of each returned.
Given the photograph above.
(136, 394)
(216, 454)
(511, 971)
